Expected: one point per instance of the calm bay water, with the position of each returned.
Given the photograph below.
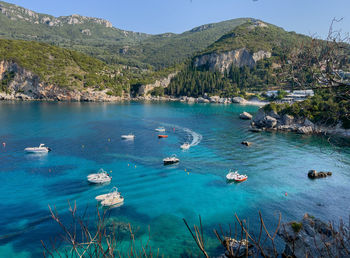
(86, 136)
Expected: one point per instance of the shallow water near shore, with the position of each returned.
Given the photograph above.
(86, 136)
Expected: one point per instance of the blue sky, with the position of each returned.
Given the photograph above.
(158, 16)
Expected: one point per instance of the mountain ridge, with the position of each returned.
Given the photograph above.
(96, 37)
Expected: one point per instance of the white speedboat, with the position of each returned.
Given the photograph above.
(171, 160)
(113, 193)
(128, 136)
(101, 177)
(235, 176)
(112, 201)
(160, 129)
(185, 146)
(41, 149)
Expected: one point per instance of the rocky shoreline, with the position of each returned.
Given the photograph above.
(271, 121)
(91, 95)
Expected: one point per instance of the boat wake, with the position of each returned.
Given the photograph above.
(196, 137)
(193, 137)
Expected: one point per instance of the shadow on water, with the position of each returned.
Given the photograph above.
(51, 171)
(68, 187)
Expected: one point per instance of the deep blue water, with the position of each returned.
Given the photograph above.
(86, 136)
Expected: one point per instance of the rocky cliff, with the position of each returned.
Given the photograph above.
(164, 82)
(22, 84)
(15, 12)
(223, 61)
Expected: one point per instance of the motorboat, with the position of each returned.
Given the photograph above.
(112, 201)
(162, 136)
(41, 149)
(235, 176)
(101, 177)
(185, 146)
(113, 193)
(171, 160)
(128, 136)
(160, 129)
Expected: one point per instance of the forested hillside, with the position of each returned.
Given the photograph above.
(98, 38)
(237, 67)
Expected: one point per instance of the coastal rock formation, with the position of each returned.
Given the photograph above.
(245, 116)
(273, 121)
(146, 89)
(26, 85)
(223, 61)
(264, 120)
(314, 174)
(238, 100)
(313, 238)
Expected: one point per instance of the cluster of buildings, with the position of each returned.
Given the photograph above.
(292, 96)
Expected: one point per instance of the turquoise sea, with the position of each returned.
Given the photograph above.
(85, 137)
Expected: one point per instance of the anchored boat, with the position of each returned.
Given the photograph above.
(113, 193)
(128, 136)
(171, 160)
(114, 200)
(41, 149)
(101, 177)
(162, 136)
(160, 129)
(235, 176)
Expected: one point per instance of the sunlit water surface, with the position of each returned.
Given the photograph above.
(86, 136)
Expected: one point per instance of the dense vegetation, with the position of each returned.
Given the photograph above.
(254, 36)
(195, 82)
(111, 44)
(324, 108)
(62, 67)
(268, 73)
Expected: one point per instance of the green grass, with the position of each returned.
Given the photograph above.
(296, 226)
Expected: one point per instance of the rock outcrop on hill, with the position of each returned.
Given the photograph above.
(15, 12)
(223, 61)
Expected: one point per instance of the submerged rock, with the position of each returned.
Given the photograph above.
(314, 174)
(245, 116)
(246, 143)
(255, 129)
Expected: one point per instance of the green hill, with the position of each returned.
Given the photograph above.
(250, 57)
(97, 37)
(62, 67)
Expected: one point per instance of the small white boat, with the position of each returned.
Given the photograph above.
(113, 193)
(101, 177)
(171, 160)
(235, 176)
(160, 129)
(112, 201)
(128, 136)
(185, 146)
(41, 149)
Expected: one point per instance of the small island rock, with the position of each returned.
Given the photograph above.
(246, 143)
(314, 174)
(245, 116)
